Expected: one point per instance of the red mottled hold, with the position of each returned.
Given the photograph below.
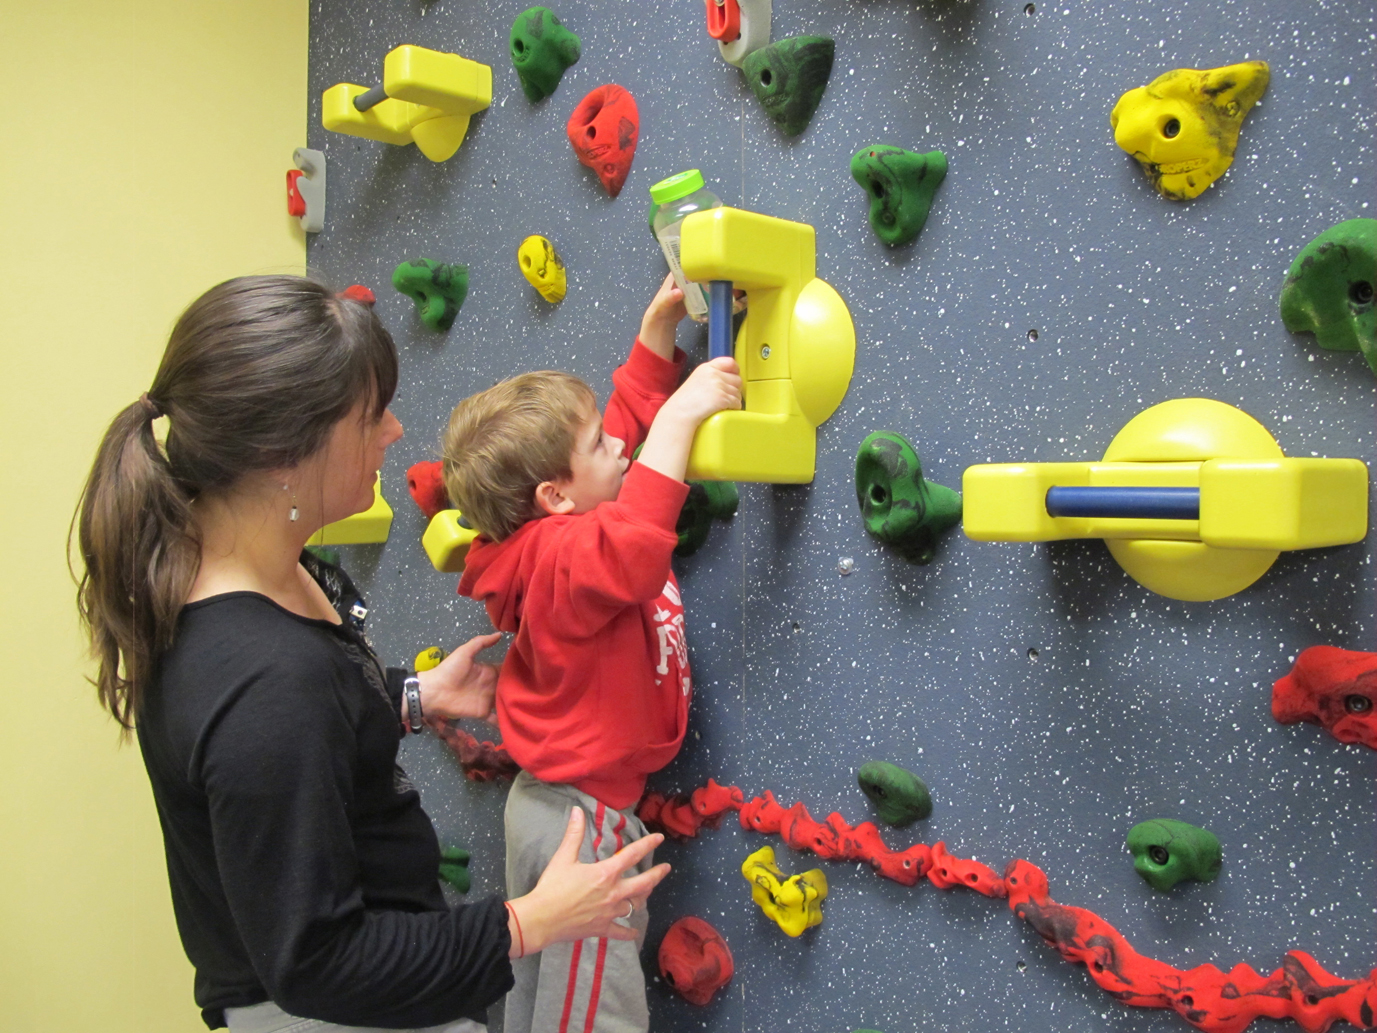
(296, 204)
(480, 761)
(427, 487)
(695, 960)
(358, 292)
(724, 20)
(1333, 688)
(603, 131)
(1206, 997)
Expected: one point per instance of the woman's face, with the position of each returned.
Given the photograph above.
(350, 461)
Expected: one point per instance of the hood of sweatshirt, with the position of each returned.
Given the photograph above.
(496, 573)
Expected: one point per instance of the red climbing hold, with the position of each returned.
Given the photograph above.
(427, 486)
(1333, 688)
(358, 292)
(948, 870)
(724, 20)
(480, 761)
(603, 131)
(695, 960)
(296, 204)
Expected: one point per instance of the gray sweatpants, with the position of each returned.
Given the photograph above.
(591, 986)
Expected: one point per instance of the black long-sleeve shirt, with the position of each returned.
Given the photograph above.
(302, 867)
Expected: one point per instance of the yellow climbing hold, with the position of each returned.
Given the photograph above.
(795, 903)
(540, 263)
(429, 658)
(1183, 126)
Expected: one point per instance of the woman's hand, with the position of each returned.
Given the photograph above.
(574, 901)
(460, 686)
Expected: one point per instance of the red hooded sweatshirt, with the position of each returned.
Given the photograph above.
(595, 689)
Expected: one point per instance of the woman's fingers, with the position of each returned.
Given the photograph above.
(638, 887)
(630, 856)
(568, 851)
(476, 645)
(618, 932)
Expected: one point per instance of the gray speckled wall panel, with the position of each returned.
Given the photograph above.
(1133, 706)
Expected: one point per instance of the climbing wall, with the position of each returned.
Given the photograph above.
(1048, 701)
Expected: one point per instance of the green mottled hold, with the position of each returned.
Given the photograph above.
(454, 868)
(1166, 851)
(899, 796)
(438, 288)
(1328, 289)
(900, 507)
(707, 501)
(900, 185)
(542, 48)
(788, 77)
(325, 552)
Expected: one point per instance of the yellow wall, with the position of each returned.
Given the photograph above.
(144, 154)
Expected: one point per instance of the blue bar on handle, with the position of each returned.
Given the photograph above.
(719, 318)
(1125, 503)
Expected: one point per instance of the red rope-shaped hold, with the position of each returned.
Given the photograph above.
(1206, 997)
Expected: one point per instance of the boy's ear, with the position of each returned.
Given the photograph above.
(550, 501)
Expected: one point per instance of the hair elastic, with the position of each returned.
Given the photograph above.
(150, 407)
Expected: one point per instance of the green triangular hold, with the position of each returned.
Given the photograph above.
(900, 185)
(454, 868)
(788, 77)
(438, 288)
(900, 507)
(1329, 288)
(707, 501)
(541, 48)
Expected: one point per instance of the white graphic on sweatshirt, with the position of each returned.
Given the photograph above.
(669, 629)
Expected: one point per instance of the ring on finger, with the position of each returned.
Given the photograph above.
(630, 910)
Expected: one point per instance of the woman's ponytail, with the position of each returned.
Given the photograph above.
(256, 374)
(140, 557)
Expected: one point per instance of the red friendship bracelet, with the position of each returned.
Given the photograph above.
(521, 937)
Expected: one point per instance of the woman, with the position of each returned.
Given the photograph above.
(303, 870)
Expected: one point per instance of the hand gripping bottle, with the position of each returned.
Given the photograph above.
(672, 200)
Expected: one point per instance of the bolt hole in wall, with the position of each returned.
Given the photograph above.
(1133, 676)
(1030, 8)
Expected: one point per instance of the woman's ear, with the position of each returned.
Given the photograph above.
(550, 501)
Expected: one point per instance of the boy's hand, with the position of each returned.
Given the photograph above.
(711, 387)
(661, 317)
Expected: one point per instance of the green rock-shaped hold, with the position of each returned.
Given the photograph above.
(542, 48)
(1166, 851)
(707, 501)
(900, 507)
(899, 796)
(1328, 289)
(900, 185)
(788, 77)
(454, 868)
(438, 288)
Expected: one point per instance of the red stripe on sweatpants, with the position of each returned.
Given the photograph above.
(578, 945)
(596, 992)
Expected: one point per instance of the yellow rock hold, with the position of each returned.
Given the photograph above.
(1183, 126)
(540, 263)
(429, 658)
(795, 903)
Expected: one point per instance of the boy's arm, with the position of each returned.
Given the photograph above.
(613, 557)
(652, 372)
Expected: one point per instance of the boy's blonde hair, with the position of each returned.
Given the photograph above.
(503, 442)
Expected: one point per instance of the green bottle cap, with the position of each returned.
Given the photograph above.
(676, 186)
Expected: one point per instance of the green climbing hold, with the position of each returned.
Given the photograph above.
(900, 185)
(1328, 289)
(1166, 851)
(707, 501)
(439, 289)
(900, 507)
(788, 77)
(327, 553)
(542, 48)
(454, 868)
(899, 795)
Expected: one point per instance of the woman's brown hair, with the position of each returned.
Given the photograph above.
(256, 373)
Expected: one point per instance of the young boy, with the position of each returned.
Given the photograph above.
(574, 558)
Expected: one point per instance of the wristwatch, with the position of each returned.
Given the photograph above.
(411, 693)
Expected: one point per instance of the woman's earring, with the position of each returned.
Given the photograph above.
(295, 513)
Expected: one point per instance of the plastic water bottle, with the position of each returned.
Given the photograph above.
(672, 200)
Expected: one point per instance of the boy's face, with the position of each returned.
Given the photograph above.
(597, 466)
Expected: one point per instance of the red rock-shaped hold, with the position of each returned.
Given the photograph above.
(1333, 688)
(358, 292)
(695, 960)
(427, 487)
(603, 131)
